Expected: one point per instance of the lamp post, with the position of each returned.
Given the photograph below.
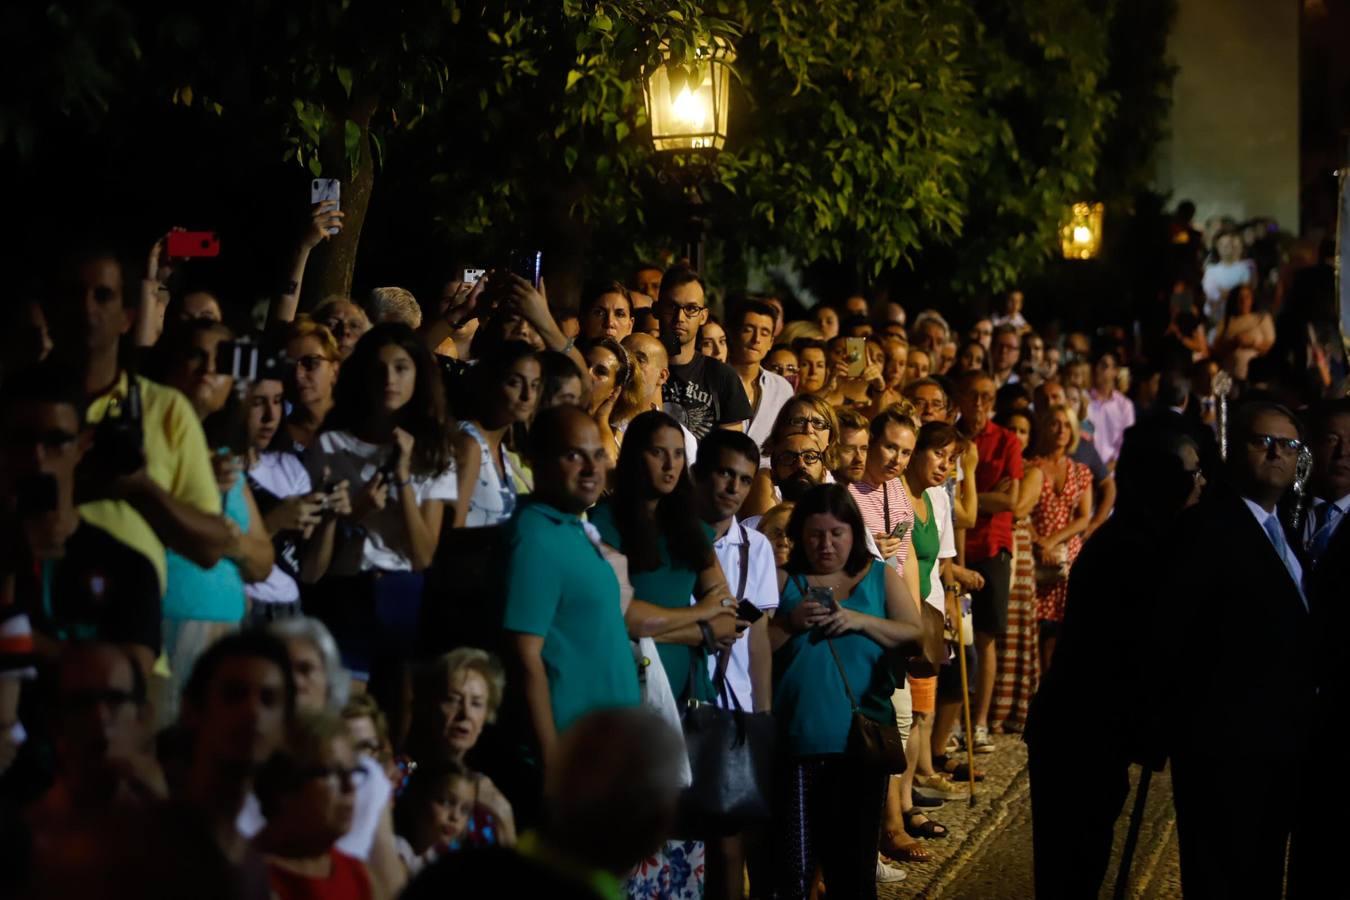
(687, 106)
(1081, 236)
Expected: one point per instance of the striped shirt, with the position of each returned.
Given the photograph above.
(873, 504)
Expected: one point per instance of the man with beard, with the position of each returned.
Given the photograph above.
(1241, 655)
(1100, 692)
(854, 439)
(701, 393)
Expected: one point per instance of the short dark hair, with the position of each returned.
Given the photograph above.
(679, 276)
(1246, 413)
(46, 383)
(73, 649)
(807, 343)
(251, 643)
(833, 500)
(931, 381)
(939, 434)
(718, 440)
(751, 308)
(1320, 414)
(593, 291)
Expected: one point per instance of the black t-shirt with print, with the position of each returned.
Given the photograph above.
(704, 393)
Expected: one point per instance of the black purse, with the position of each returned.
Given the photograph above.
(871, 744)
(731, 755)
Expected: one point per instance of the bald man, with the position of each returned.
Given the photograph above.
(651, 371)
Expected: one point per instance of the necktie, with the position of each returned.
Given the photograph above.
(1272, 526)
(1325, 519)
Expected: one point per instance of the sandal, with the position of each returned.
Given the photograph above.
(957, 771)
(926, 829)
(912, 852)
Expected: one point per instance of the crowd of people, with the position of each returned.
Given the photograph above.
(403, 597)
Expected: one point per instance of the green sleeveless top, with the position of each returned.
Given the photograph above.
(927, 543)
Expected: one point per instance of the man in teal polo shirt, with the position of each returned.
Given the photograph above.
(563, 620)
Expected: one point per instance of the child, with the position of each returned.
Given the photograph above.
(432, 815)
(773, 526)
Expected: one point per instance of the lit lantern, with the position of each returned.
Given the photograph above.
(687, 102)
(1081, 236)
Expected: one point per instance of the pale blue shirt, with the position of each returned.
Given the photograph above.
(1286, 554)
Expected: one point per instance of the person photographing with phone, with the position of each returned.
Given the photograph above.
(388, 436)
(840, 611)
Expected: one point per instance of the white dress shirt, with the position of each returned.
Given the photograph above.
(761, 589)
(774, 393)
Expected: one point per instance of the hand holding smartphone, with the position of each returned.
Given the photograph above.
(321, 189)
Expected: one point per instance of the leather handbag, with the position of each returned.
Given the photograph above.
(872, 744)
(731, 755)
(932, 645)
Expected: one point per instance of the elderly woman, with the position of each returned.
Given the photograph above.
(308, 793)
(453, 698)
(806, 414)
(828, 654)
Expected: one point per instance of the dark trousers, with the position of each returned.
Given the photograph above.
(829, 815)
(1076, 797)
(1229, 846)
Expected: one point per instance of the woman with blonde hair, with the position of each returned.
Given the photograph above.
(804, 414)
(1060, 517)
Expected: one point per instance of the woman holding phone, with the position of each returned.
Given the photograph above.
(841, 610)
(388, 436)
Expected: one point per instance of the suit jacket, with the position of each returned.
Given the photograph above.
(1328, 588)
(1241, 640)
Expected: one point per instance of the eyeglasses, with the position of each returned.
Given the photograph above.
(782, 369)
(815, 422)
(923, 406)
(1267, 441)
(311, 362)
(346, 778)
(688, 310)
(792, 457)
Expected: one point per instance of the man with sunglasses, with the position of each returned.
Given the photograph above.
(1241, 684)
(701, 393)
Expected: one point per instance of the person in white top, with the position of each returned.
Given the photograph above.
(1224, 274)
(750, 331)
(504, 392)
(722, 479)
(301, 521)
(388, 436)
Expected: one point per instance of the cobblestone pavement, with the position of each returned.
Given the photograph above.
(988, 855)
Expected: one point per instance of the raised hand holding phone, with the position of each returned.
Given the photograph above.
(327, 191)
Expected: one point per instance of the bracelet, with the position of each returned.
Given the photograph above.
(567, 347)
(709, 642)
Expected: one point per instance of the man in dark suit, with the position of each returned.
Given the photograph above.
(1324, 540)
(1240, 664)
(1095, 712)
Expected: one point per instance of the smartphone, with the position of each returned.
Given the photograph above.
(238, 359)
(748, 611)
(528, 264)
(471, 276)
(321, 189)
(857, 356)
(824, 596)
(190, 244)
(900, 531)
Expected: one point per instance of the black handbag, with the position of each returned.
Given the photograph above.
(731, 755)
(872, 744)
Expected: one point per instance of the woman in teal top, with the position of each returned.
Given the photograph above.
(653, 520)
(833, 806)
(202, 603)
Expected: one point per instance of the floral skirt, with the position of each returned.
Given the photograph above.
(1019, 665)
(675, 872)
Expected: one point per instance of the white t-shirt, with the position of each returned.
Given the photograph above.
(761, 589)
(774, 393)
(282, 475)
(385, 545)
(1220, 278)
(940, 510)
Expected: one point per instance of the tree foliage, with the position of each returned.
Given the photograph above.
(938, 141)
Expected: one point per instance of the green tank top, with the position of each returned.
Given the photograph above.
(927, 543)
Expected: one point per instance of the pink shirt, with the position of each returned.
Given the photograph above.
(1109, 420)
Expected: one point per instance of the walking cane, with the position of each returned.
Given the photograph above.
(965, 697)
(1132, 836)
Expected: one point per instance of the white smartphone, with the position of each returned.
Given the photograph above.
(321, 189)
(471, 276)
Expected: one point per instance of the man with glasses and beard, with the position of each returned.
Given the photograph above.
(1240, 663)
(702, 393)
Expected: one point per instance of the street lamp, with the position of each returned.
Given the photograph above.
(1081, 236)
(687, 101)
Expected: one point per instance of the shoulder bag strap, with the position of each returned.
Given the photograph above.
(853, 700)
(886, 506)
(724, 657)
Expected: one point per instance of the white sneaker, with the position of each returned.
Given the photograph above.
(983, 743)
(889, 874)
